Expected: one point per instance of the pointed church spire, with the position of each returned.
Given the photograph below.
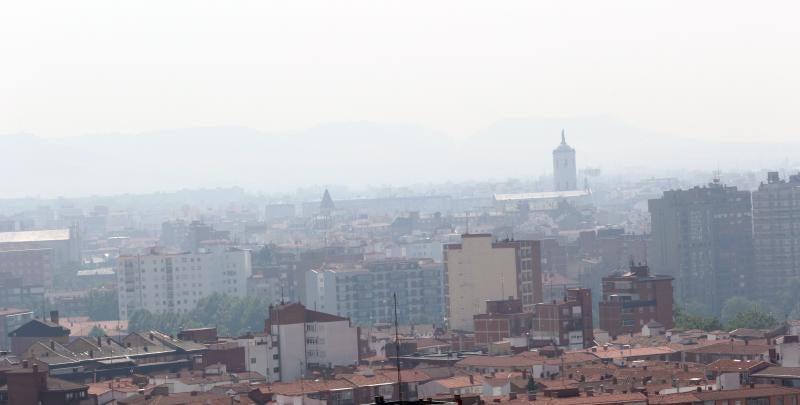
(327, 202)
(563, 138)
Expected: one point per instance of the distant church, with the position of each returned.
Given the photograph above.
(565, 174)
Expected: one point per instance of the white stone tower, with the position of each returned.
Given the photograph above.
(565, 174)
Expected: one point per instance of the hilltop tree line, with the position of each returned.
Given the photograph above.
(738, 312)
(231, 316)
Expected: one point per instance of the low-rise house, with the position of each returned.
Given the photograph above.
(456, 385)
(31, 384)
(730, 350)
(205, 379)
(300, 392)
(103, 358)
(106, 392)
(777, 375)
(754, 395)
(37, 330)
(733, 374)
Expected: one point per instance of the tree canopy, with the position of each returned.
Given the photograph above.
(685, 320)
(231, 316)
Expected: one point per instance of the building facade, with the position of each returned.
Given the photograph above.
(364, 293)
(776, 233)
(174, 282)
(503, 319)
(32, 266)
(65, 243)
(566, 323)
(703, 237)
(479, 269)
(11, 319)
(304, 341)
(633, 299)
(565, 172)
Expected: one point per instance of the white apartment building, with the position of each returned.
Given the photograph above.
(259, 355)
(163, 282)
(303, 340)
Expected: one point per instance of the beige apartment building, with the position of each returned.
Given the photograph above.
(480, 269)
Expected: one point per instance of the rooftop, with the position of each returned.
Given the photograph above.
(542, 195)
(34, 236)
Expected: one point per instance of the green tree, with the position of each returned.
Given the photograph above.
(685, 320)
(531, 384)
(752, 318)
(787, 300)
(230, 315)
(735, 305)
(97, 331)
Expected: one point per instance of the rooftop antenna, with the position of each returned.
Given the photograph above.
(397, 351)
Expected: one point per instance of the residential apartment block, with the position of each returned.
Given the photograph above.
(163, 282)
(364, 292)
(704, 238)
(303, 340)
(503, 319)
(566, 323)
(633, 299)
(776, 233)
(479, 269)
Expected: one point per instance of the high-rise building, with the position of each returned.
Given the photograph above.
(565, 172)
(776, 233)
(633, 299)
(174, 282)
(566, 323)
(364, 292)
(479, 269)
(703, 237)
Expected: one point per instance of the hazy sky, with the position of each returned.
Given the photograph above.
(713, 69)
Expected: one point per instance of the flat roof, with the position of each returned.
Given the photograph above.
(103, 271)
(542, 195)
(34, 236)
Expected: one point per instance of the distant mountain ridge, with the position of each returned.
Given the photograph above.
(355, 153)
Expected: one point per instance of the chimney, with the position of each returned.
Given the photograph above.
(99, 341)
(24, 363)
(52, 345)
(91, 353)
(54, 317)
(471, 380)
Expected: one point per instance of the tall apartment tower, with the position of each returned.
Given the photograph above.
(479, 270)
(565, 174)
(776, 232)
(703, 237)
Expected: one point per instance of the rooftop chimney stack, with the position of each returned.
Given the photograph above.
(54, 317)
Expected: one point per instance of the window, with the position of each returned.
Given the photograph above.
(758, 401)
(252, 360)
